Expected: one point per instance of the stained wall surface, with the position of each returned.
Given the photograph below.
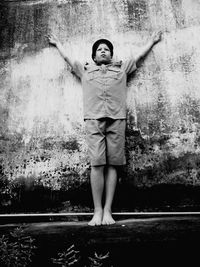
(41, 123)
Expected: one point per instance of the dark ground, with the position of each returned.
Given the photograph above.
(161, 197)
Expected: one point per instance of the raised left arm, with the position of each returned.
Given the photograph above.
(155, 38)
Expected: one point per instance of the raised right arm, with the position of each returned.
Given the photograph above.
(53, 40)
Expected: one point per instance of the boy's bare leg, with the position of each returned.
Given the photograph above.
(111, 181)
(97, 185)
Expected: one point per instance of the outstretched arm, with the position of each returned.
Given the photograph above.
(53, 40)
(155, 38)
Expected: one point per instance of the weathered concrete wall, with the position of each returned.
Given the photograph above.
(41, 123)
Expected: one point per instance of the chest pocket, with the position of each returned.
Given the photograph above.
(93, 74)
(114, 73)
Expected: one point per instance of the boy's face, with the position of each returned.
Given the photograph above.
(103, 54)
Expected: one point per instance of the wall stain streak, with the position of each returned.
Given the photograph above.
(178, 13)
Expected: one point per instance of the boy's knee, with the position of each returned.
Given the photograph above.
(111, 167)
(97, 168)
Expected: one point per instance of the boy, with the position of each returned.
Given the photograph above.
(104, 100)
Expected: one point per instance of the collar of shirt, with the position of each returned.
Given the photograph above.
(103, 68)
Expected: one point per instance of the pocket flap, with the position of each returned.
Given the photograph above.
(114, 69)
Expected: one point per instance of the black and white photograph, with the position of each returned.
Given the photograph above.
(99, 133)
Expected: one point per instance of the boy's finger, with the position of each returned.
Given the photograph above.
(48, 36)
(52, 35)
(160, 35)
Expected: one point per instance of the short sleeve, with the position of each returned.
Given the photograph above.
(77, 69)
(130, 65)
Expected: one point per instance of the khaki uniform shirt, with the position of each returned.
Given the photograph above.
(104, 88)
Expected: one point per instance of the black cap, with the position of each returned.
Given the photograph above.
(101, 41)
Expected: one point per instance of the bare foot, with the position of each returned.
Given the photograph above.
(107, 218)
(97, 218)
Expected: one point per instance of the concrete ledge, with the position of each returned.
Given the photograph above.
(84, 216)
(144, 235)
(136, 227)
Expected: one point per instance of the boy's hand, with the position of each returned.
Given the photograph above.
(52, 39)
(156, 37)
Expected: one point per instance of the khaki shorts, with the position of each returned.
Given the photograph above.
(106, 141)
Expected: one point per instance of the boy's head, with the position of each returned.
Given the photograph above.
(102, 51)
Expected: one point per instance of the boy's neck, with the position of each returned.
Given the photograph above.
(103, 63)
